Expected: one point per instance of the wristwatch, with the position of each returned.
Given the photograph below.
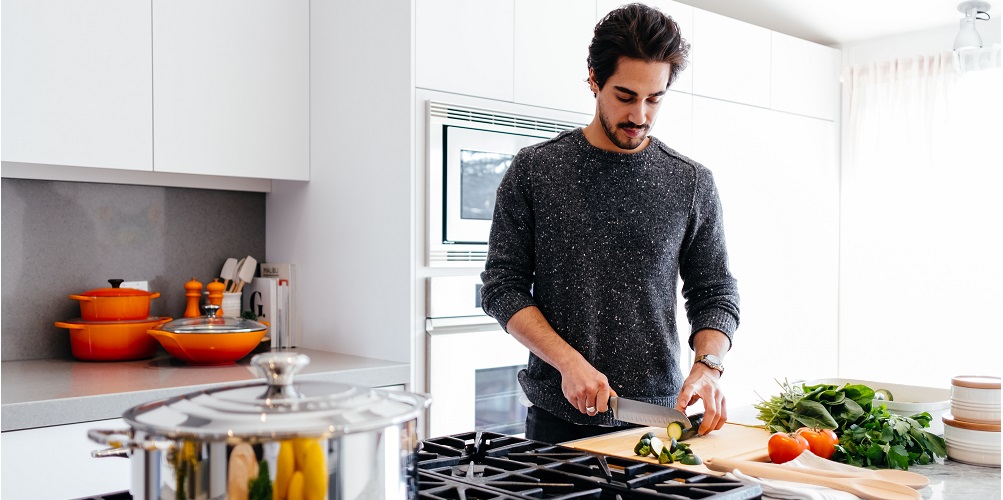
(711, 361)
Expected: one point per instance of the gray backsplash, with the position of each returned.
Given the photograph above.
(62, 238)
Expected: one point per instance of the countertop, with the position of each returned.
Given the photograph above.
(45, 392)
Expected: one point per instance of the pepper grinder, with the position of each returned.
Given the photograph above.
(193, 291)
(216, 295)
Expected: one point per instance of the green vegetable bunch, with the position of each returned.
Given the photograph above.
(869, 436)
(888, 441)
(822, 406)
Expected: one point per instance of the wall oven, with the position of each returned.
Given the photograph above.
(469, 149)
(472, 363)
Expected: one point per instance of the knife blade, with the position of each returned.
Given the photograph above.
(637, 412)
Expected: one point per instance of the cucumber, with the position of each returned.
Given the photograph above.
(656, 446)
(690, 459)
(883, 395)
(695, 421)
(674, 430)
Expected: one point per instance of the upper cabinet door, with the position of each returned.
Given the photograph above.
(465, 47)
(231, 87)
(551, 50)
(76, 83)
(730, 59)
(805, 77)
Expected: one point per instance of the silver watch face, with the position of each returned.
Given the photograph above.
(711, 361)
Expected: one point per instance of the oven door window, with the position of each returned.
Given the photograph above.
(497, 407)
(480, 174)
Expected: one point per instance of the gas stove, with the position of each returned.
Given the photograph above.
(485, 465)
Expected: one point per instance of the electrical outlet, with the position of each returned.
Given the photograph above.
(138, 285)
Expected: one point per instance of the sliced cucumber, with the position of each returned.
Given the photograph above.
(883, 395)
(674, 430)
(656, 446)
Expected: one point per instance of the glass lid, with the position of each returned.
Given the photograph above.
(210, 323)
(277, 408)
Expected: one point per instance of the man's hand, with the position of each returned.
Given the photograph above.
(703, 381)
(702, 384)
(585, 387)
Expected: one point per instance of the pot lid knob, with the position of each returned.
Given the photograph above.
(279, 368)
(116, 283)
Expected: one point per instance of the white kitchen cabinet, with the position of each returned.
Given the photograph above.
(730, 59)
(551, 50)
(804, 77)
(465, 47)
(231, 88)
(777, 175)
(56, 462)
(76, 83)
(682, 14)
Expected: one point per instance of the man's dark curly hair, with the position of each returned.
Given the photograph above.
(636, 31)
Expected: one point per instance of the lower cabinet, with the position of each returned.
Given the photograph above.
(55, 462)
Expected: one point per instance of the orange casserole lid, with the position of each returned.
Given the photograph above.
(972, 426)
(115, 291)
(976, 381)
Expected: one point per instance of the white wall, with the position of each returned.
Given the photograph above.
(350, 229)
(919, 42)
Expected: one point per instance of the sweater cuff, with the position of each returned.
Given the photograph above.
(721, 321)
(503, 306)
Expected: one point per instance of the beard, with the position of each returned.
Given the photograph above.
(610, 130)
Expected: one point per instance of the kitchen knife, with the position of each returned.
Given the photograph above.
(637, 412)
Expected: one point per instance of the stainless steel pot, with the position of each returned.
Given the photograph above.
(310, 439)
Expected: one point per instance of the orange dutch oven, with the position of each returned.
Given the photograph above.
(112, 340)
(115, 304)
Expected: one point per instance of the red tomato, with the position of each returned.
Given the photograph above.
(784, 447)
(821, 442)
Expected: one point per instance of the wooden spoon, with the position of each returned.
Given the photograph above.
(903, 477)
(870, 489)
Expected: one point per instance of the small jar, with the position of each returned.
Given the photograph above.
(231, 304)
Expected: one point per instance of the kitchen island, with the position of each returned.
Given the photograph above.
(47, 392)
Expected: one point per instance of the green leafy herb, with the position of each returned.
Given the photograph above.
(889, 441)
(260, 488)
(822, 406)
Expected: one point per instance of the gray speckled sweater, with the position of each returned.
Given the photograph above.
(597, 240)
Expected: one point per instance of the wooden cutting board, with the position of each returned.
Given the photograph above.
(731, 441)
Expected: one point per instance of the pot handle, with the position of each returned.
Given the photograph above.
(69, 326)
(116, 438)
(83, 298)
(154, 295)
(125, 440)
(279, 368)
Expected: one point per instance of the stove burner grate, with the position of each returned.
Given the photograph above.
(495, 466)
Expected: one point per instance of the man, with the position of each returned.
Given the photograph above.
(591, 231)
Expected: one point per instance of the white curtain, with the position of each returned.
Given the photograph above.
(920, 219)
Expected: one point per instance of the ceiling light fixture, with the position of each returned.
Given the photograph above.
(967, 37)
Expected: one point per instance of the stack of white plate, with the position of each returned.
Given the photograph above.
(972, 429)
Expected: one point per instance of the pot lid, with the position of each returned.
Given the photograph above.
(115, 291)
(210, 323)
(277, 408)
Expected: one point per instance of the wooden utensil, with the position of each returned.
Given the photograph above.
(903, 477)
(868, 488)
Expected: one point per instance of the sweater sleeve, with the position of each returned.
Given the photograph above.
(710, 291)
(508, 271)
